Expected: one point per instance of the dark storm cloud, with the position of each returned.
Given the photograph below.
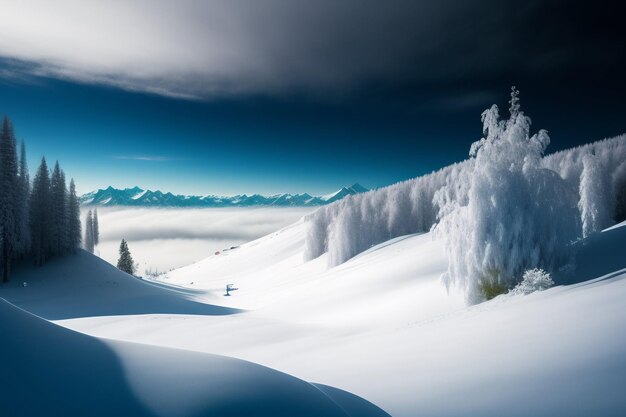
(203, 49)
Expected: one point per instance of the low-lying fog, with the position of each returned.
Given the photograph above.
(166, 238)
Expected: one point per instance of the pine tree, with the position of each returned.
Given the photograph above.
(24, 193)
(96, 229)
(9, 192)
(40, 222)
(58, 212)
(73, 206)
(125, 263)
(89, 243)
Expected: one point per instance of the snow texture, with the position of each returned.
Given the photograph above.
(380, 326)
(78, 375)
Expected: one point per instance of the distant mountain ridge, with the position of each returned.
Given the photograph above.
(147, 198)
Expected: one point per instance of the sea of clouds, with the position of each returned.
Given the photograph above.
(166, 238)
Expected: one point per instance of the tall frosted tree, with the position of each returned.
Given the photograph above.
(594, 205)
(89, 241)
(40, 221)
(23, 242)
(619, 190)
(517, 215)
(74, 228)
(9, 197)
(58, 212)
(96, 228)
(125, 262)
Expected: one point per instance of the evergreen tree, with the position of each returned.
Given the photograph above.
(89, 242)
(96, 229)
(595, 210)
(40, 222)
(73, 206)
(23, 245)
(9, 192)
(125, 262)
(58, 212)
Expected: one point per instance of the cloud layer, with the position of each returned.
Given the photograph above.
(203, 48)
(168, 238)
(207, 48)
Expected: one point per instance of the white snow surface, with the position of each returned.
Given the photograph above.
(380, 326)
(54, 371)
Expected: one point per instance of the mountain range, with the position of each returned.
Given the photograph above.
(147, 198)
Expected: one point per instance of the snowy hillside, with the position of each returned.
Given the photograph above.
(138, 197)
(76, 375)
(53, 371)
(356, 223)
(380, 326)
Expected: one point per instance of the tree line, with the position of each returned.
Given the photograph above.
(505, 210)
(38, 220)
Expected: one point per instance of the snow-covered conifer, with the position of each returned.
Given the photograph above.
(73, 207)
(96, 228)
(58, 212)
(9, 198)
(619, 191)
(125, 262)
(89, 242)
(595, 210)
(40, 219)
(23, 244)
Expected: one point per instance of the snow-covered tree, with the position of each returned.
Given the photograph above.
(96, 228)
(58, 212)
(517, 215)
(73, 206)
(125, 262)
(40, 219)
(594, 204)
(23, 241)
(9, 198)
(89, 239)
(619, 191)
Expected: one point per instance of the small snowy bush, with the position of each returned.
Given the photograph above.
(533, 280)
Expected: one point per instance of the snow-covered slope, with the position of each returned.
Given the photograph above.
(399, 278)
(383, 327)
(52, 371)
(84, 285)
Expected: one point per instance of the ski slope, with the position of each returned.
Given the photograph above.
(273, 280)
(380, 326)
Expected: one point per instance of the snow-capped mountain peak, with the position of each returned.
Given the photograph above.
(137, 196)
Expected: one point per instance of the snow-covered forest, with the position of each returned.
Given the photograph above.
(506, 209)
(38, 220)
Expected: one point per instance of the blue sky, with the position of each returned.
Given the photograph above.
(103, 136)
(224, 97)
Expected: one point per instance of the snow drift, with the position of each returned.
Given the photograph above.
(49, 370)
